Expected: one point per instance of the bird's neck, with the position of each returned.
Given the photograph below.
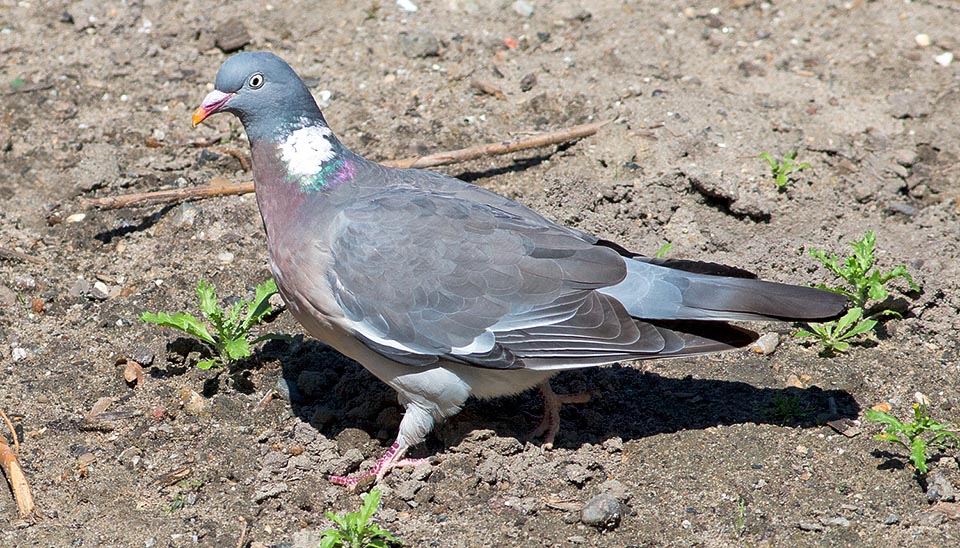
(308, 155)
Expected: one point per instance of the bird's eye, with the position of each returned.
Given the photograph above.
(256, 81)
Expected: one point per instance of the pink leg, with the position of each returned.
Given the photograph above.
(550, 424)
(390, 460)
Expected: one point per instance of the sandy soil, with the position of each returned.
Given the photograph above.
(95, 100)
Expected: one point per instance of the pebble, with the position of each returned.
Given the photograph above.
(810, 526)
(76, 217)
(523, 8)
(602, 511)
(24, 281)
(940, 489)
(617, 489)
(7, 296)
(528, 82)
(923, 40)
(766, 344)
(18, 354)
(408, 489)
(577, 474)
(225, 257)
(79, 288)
(193, 403)
(892, 519)
(100, 291)
(419, 45)
(905, 156)
(837, 521)
(143, 355)
(613, 445)
(231, 36)
(930, 519)
(407, 5)
(944, 59)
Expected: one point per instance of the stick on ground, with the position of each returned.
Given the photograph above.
(546, 138)
(14, 473)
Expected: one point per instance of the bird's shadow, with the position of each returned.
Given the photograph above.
(333, 393)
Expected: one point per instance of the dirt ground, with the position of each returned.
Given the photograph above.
(729, 450)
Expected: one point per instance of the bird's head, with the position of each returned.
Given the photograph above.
(260, 89)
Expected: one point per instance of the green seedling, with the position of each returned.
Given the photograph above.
(230, 340)
(865, 284)
(354, 529)
(836, 335)
(782, 170)
(917, 436)
(787, 409)
(664, 249)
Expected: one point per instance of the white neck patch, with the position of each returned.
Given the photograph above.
(306, 149)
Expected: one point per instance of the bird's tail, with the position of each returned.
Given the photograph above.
(657, 289)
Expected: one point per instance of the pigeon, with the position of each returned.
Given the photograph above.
(445, 290)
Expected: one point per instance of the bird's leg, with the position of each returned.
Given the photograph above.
(393, 458)
(550, 424)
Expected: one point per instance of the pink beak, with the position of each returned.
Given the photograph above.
(211, 104)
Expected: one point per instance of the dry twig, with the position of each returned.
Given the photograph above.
(14, 472)
(442, 158)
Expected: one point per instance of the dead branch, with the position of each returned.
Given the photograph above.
(442, 158)
(14, 254)
(14, 472)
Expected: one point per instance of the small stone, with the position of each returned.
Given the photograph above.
(523, 8)
(577, 474)
(892, 519)
(225, 257)
(100, 291)
(793, 381)
(352, 438)
(848, 427)
(7, 296)
(905, 156)
(940, 489)
(944, 59)
(602, 511)
(903, 208)
(24, 282)
(186, 215)
(836, 522)
(528, 82)
(193, 403)
(766, 344)
(810, 526)
(930, 519)
(143, 355)
(76, 217)
(923, 40)
(909, 105)
(79, 288)
(613, 445)
(617, 489)
(883, 407)
(408, 489)
(419, 45)
(231, 36)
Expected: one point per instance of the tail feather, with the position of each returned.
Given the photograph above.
(658, 292)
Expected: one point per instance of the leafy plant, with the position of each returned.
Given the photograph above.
(865, 281)
(664, 249)
(837, 334)
(864, 284)
(354, 529)
(782, 170)
(787, 409)
(231, 338)
(917, 436)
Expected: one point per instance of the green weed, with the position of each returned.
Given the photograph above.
(230, 340)
(864, 284)
(782, 170)
(354, 529)
(917, 436)
(664, 249)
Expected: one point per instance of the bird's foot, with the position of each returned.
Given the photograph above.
(550, 424)
(390, 460)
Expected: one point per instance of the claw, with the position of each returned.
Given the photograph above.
(550, 424)
(390, 460)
